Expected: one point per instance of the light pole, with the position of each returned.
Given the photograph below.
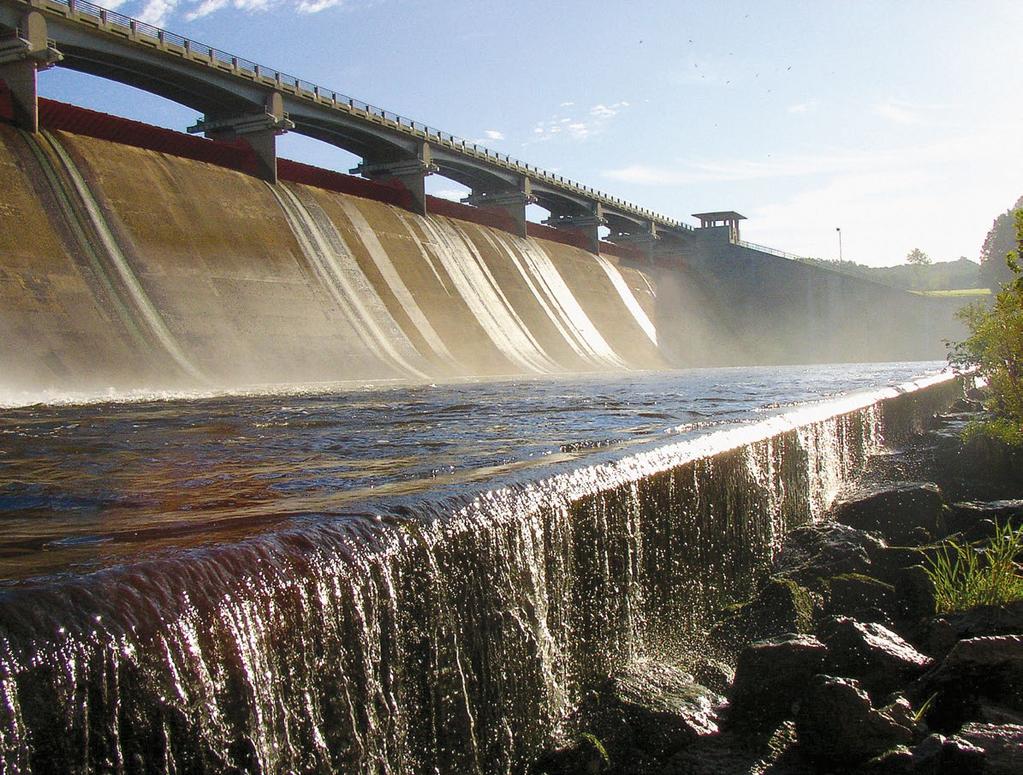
(839, 230)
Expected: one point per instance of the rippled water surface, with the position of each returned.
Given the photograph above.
(82, 486)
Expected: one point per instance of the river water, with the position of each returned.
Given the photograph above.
(390, 579)
(85, 485)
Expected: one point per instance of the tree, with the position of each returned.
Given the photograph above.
(995, 346)
(998, 242)
(917, 257)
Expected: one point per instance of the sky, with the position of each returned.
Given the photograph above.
(898, 122)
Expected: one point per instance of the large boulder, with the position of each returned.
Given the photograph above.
(974, 519)
(714, 674)
(780, 606)
(936, 755)
(894, 510)
(1002, 745)
(583, 756)
(771, 677)
(824, 551)
(860, 596)
(655, 708)
(975, 673)
(881, 660)
(943, 632)
(837, 725)
(982, 467)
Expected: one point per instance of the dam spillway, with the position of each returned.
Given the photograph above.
(125, 268)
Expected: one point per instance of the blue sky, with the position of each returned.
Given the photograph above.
(899, 122)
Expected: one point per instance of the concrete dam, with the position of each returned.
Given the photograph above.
(137, 258)
(130, 268)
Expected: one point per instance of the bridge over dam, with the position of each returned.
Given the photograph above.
(239, 98)
(121, 266)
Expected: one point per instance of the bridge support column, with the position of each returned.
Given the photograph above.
(510, 200)
(644, 237)
(411, 172)
(587, 224)
(258, 130)
(22, 56)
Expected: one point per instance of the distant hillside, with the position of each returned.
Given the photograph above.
(943, 276)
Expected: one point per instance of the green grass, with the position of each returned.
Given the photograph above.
(956, 292)
(965, 576)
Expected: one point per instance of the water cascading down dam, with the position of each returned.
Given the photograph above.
(311, 557)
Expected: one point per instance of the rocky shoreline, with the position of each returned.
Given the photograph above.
(839, 663)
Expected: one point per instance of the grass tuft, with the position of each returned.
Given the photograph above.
(965, 576)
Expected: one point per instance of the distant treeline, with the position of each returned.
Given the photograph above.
(920, 274)
(943, 276)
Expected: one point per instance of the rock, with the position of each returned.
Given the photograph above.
(936, 755)
(779, 607)
(981, 530)
(856, 594)
(825, 550)
(996, 714)
(976, 672)
(771, 677)
(714, 674)
(837, 724)
(984, 620)
(893, 510)
(964, 516)
(983, 467)
(1002, 745)
(655, 708)
(585, 756)
(872, 653)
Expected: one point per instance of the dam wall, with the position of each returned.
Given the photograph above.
(449, 636)
(137, 258)
(727, 304)
(123, 267)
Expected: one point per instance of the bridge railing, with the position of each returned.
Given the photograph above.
(144, 33)
(766, 249)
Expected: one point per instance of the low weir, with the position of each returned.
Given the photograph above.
(445, 635)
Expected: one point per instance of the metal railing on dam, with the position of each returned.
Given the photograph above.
(227, 87)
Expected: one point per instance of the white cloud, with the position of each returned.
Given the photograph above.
(803, 107)
(493, 134)
(206, 7)
(455, 195)
(567, 104)
(157, 12)
(897, 112)
(574, 127)
(315, 6)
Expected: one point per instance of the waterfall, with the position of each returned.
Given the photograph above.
(332, 261)
(557, 300)
(484, 296)
(395, 284)
(114, 262)
(447, 636)
(628, 298)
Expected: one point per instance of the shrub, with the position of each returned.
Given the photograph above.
(965, 577)
(995, 347)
